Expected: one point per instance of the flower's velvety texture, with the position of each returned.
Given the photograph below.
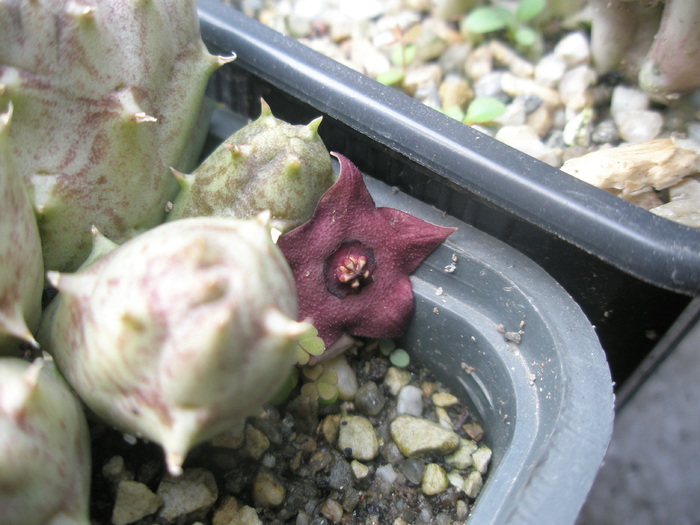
(351, 261)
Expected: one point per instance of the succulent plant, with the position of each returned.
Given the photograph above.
(267, 165)
(44, 447)
(21, 266)
(180, 333)
(108, 95)
(352, 261)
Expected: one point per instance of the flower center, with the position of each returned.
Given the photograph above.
(349, 268)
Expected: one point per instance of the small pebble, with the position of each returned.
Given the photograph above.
(514, 86)
(550, 70)
(332, 510)
(188, 497)
(574, 88)
(574, 49)
(479, 63)
(434, 479)
(386, 473)
(134, 501)
(415, 436)
(685, 203)
(395, 379)
(347, 380)
(115, 471)
(444, 399)
(639, 126)
(462, 457)
(525, 139)
(605, 132)
(456, 479)
(410, 401)
(455, 92)
(489, 85)
(369, 400)
(268, 491)
(359, 470)
(341, 474)
(256, 443)
(358, 437)
(577, 131)
(627, 99)
(231, 512)
(509, 58)
(473, 484)
(481, 458)
(330, 426)
(412, 468)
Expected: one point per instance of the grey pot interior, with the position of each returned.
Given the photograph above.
(546, 403)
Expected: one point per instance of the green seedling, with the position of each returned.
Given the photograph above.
(487, 19)
(400, 358)
(321, 384)
(401, 56)
(483, 110)
(309, 344)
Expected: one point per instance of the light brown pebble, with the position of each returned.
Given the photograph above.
(134, 501)
(415, 436)
(188, 497)
(256, 443)
(434, 480)
(231, 512)
(444, 399)
(332, 510)
(267, 490)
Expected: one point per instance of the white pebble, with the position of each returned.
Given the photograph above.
(347, 380)
(410, 401)
(550, 70)
(525, 139)
(574, 49)
(627, 99)
(640, 126)
(574, 88)
(386, 473)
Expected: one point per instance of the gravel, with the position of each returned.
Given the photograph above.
(356, 461)
(558, 108)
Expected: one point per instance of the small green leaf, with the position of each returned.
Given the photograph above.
(400, 358)
(386, 346)
(525, 36)
(390, 77)
(528, 9)
(312, 373)
(312, 345)
(401, 55)
(484, 109)
(327, 393)
(454, 112)
(487, 19)
(309, 344)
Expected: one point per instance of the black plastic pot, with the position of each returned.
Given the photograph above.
(546, 403)
(631, 271)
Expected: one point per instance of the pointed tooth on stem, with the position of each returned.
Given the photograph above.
(280, 325)
(16, 326)
(313, 126)
(71, 283)
(264, 108)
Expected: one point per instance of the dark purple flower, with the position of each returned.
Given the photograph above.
(351, 261)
